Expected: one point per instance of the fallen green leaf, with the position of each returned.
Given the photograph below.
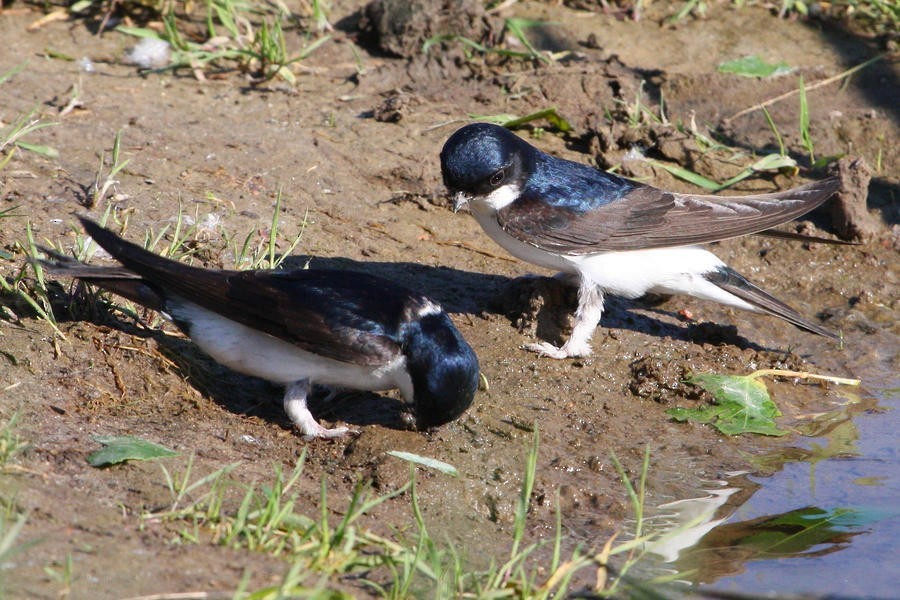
(742, 405)
(431, 463)
(80, 5)
(754, 66)
(141, 32)
(121, 448)
(769, 162)
(48, 151)
(517, 27)
(51, 53)
(512, 121)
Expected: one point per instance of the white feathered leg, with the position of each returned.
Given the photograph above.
(295, 406)
(587, 317)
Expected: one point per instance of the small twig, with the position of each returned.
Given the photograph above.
(809, 88)
(471, 248)
(57, 15)
(11, 386)
(804, 375)
(182, 596)
(503, 5)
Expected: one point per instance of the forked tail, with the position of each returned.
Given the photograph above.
(734, 283)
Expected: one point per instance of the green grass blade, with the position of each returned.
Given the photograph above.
(775, 132)
(804, 123)
(425, 461)
(753, 66)
(689, 176)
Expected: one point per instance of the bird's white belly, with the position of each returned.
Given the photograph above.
(678, 270)
(253, 352)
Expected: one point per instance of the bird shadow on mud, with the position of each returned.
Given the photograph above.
(534, 304)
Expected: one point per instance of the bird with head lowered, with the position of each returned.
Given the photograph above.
(300, 327)
(613, 235)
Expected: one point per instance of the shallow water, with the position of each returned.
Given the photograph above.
(826, 521)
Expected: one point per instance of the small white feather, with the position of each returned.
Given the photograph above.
(150, 53)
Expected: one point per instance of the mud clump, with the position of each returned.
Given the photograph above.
(664, 378)
(542, 307)
(400, 28)
(849, 215)
(394, 107)
(585, 94)
(658, 379)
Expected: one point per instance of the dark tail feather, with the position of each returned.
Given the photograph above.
(131, 255)
(799, 237)
(156, 270)
(733, 282)
(118, 280)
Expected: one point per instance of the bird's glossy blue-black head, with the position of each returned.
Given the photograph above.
(442, 366)
(481, 157)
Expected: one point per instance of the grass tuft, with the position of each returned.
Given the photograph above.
(327, 549)
(11, 444)
(247, 37)
(30, 292)
(103, 182)
(264, 253)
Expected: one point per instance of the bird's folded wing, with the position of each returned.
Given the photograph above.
(647, 217)
(345, 316)
(348, 317)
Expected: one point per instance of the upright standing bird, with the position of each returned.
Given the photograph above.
(302, 327)
(617, 236)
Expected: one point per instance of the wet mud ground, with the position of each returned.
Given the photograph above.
(367, 194)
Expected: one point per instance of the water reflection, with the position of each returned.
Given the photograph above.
(817, 518)
(805, 532)
(687, 521)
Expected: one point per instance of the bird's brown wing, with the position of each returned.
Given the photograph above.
(647, 217)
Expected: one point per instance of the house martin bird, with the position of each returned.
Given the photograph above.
(610, 234)
(301, 327)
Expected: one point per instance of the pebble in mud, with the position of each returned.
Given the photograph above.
(395, 106)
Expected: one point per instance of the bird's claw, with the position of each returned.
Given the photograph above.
(323, 432)
(551, 351)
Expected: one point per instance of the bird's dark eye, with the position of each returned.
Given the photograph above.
(498, 177)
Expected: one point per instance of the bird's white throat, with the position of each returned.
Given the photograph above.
(485, 204)
(499, 199)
